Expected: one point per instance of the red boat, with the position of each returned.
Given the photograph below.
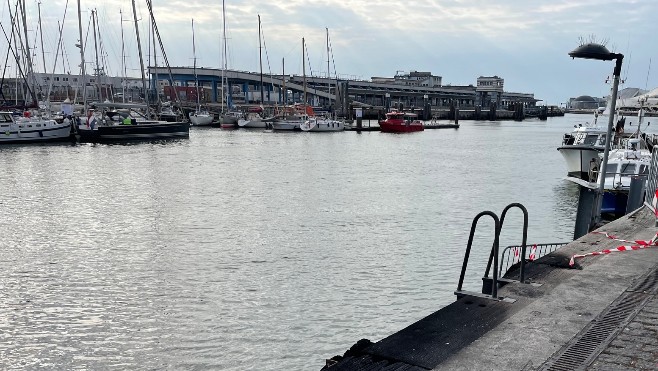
(401, 122)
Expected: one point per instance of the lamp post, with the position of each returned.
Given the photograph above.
(600, 52)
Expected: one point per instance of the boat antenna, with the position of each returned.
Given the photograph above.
(646, 83)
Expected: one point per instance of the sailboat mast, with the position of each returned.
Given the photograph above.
(30, 71)
(97, 70)
(285, 91)
(141, 59)
(123, 62)
(155, 65)
(82, 60)
(328, 73)
(196, 80)
(260, 57)
(43, 54)
(304, 71)
(224, 56)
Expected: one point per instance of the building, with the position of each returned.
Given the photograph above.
(413, 78)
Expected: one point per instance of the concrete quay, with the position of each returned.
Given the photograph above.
(599, 314)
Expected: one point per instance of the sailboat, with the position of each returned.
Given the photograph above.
(254, 118)
(31, 127)
(317, 123)
(292, 117)
(228, 118)
(101, 127)
(199, 117)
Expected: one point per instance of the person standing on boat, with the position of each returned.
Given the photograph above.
(91, 119)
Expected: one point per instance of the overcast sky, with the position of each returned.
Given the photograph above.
(524, 42)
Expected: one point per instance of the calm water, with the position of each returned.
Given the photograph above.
(239, 250)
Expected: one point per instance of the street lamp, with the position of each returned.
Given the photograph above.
(600, 52)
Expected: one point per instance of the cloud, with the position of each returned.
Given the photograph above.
(524, 42)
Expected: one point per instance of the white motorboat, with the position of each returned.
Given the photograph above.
(581, 149)
(624, 164)
(28, 129)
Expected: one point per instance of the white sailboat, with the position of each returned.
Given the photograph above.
(31, 127)
(318, 123)
(199, 117)
(255, 119)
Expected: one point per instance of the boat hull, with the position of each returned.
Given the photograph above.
(201, 120)
(283, 125)
(139, 132)
(30, 133)
(400, 128)
(579, 159)
(322, 126)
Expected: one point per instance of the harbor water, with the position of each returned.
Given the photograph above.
(247, 249)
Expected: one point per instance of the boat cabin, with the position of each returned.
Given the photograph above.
(623, 164)
(401, 117)
(584, 135)
(6, 118)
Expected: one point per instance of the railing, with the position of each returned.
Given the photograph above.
(511, 255)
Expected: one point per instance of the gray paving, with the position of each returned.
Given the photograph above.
(603, 315)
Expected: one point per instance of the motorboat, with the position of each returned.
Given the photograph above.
(30, 129)
(624, 164)
(581, 148)
(98, 127)
(401, 122)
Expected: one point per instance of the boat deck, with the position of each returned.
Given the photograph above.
(600, 314)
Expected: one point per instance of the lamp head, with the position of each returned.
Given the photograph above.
(593, 51)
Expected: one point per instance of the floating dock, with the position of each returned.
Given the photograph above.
(601, 313)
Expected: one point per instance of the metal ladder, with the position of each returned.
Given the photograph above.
(491, 284)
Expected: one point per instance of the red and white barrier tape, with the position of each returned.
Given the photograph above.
(533, 252)
(517, 253)
(640, 244)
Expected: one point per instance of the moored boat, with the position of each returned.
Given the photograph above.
(98, 127)
(201, 117)
(28, 129)
(316, 124)
(401, 122)
(581, 148)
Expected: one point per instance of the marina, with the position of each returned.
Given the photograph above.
(198, 187)
(167, 253)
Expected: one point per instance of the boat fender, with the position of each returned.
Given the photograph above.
(7, 132)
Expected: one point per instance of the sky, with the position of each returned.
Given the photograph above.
(524, 42)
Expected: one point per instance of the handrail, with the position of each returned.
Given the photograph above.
(523, 243)
(497, 224)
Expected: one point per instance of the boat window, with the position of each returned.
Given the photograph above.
(628, 169)
(611, 169)
(602, 139)
(590, 139)
(5, 117)
(644, 169)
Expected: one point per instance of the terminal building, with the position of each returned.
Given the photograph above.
(412, 89)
